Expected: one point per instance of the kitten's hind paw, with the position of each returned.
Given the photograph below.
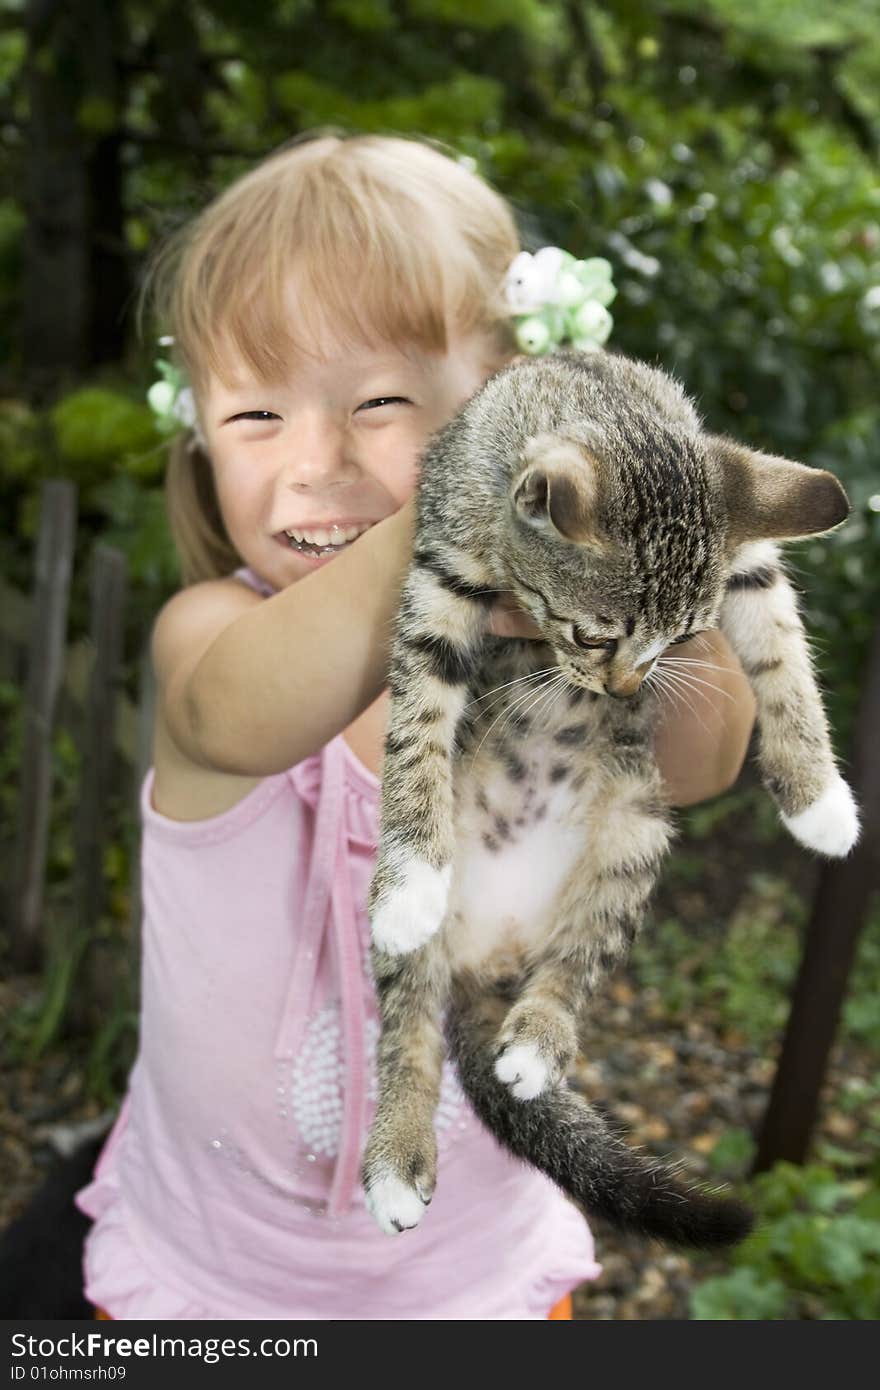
(413, 910)
(524, 1070)
(395, 1205)
(831, 825)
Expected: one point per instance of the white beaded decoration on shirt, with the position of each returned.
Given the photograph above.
(317, 1084)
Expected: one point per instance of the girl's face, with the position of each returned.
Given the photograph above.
(305, 467)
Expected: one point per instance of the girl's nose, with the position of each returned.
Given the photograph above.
(316, 454)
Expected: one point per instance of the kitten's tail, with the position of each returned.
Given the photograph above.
(569, 1141)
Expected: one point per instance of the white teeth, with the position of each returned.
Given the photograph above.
(335, 535)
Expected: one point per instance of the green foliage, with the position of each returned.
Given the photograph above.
(11, 716)
(537, 22)
(12, 232)
(137, 525)
(96, 116)
(744, 978)
(815, 1252)
(39, 1024)
(861, 1014)
(20, 442)
(100, 431)
(701, 822)
(448, 109)
(107, 443)
(42, 1018)
(722, 157)
(364, 14)
(733, 1152)
(111, 1054)
(743, 1294)
(12, 53)
(799, 24)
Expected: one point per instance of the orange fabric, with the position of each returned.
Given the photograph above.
(561, 1313)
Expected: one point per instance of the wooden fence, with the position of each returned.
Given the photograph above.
(85, 678)
(79, 686)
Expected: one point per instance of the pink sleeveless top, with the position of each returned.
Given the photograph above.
(229, 1187)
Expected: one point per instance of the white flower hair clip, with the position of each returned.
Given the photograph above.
(556, 300)
(170, 398)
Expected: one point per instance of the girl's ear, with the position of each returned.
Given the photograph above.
(557, 489)
(770, 498)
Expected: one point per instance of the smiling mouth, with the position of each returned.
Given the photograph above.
(324, 540)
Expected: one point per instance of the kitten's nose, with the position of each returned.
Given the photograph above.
(622, 687)
(622, 690)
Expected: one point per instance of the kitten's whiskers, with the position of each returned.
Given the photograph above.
(690, 661)
(663, 687)
(532, 676)
(683, 684)
(554, 701)
(688, 678)
(555, 685)
(520, 700)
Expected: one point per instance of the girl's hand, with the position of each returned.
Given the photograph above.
(507, 620)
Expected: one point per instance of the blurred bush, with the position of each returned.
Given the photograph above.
(723, 159)
(815, 1253)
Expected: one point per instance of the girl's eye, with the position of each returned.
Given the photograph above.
(378, 401)
(256, 415)
(594, 644)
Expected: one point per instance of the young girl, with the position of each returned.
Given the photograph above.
(331, 310)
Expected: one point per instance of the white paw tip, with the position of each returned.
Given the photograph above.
(412, 912)
(394, 1205)
(522, 1068)
(831, 825)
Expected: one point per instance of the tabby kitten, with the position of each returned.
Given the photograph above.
(524, 820)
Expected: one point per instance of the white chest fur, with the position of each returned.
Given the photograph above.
(517, 839)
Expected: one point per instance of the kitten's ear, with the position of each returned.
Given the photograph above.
(770, 498)
(558, 488)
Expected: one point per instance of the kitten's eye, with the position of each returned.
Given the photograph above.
(378, 401)
(594, 644)
(685, 637)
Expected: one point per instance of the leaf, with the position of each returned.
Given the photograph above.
(743, 1294)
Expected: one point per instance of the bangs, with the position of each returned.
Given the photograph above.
(333, 254)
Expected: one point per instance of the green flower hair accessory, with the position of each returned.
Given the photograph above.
(555, 300)
(170, 398)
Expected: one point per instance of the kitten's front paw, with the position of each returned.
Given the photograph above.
(524, 1070)
(831, 825)
(413, 910)
(395, 1205)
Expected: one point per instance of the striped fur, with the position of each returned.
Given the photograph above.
(523, 815)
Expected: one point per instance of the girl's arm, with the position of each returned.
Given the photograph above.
(252, 686)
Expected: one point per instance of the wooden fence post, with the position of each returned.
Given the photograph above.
(107, 605)
(46, 653)
(839, 913)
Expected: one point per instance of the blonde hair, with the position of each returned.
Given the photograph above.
(392, 240)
